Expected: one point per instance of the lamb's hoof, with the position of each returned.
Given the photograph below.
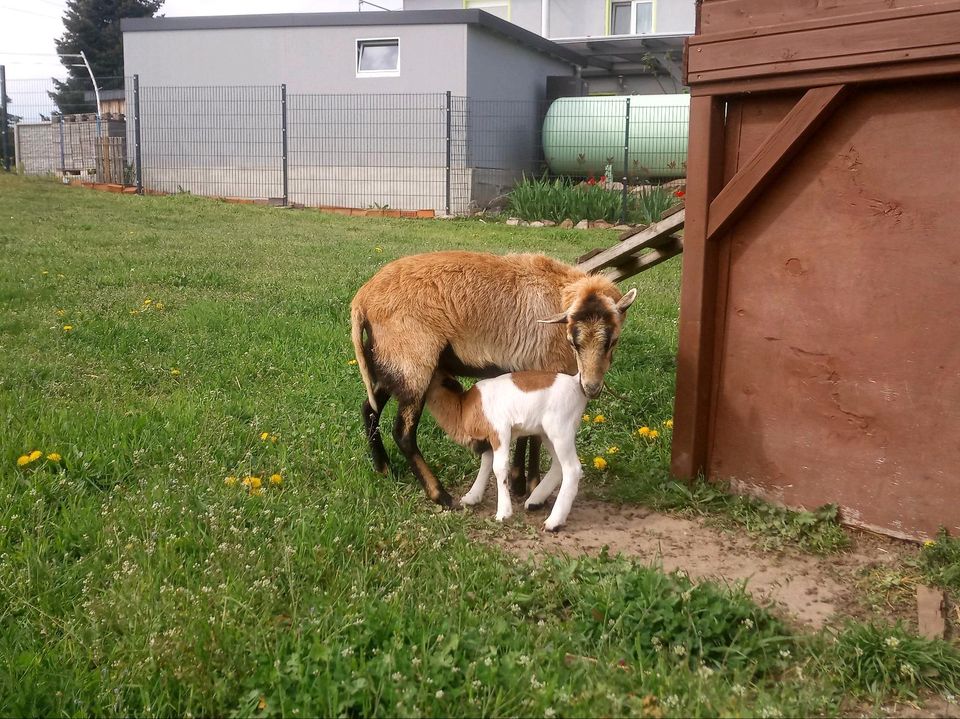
(534, 507)
(470, 501)
(552, 528)
(503, 518)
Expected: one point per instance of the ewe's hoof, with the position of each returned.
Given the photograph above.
(445, 500)
(551, 528)
(534, 507)
(469, 500)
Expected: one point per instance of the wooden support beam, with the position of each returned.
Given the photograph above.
(671, 247)
(698, 290)
(775, 152)
(624, 251)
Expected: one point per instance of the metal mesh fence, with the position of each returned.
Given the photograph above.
(368, 150)
(431, 151)
(218, 141)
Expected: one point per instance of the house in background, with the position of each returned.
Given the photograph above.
(631, 46)
(439, 109)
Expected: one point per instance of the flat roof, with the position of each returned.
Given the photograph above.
(477, 18)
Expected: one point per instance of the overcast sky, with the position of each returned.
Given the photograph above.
(29, 27)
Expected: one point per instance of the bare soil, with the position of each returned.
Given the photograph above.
(807, 590)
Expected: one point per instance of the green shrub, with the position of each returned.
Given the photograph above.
(561, 198)
(940, 561)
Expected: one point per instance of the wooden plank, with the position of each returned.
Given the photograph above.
(930, 620)
(620, 253)
(912, 70)
(828, 45)
(832, 63)
(697, 290)
(788, 137)
(637, 264)
(780, 23)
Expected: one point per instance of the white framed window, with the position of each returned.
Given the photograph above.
(631, 18)
(378, 57)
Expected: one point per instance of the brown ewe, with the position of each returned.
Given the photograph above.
(479, 315)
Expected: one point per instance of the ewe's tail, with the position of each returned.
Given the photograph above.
(358, 322)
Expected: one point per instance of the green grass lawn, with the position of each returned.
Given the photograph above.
(210, 341)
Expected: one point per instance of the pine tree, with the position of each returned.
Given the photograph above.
(94, 27)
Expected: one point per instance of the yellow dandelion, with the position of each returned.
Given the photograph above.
(159, 306)
(174, 371)
(61, 313)
(134, 313)
(255, 482)
(668, 424)
(273, 438)
(262, 704)
(23, 460)
(54, 457)
(599, 463)
(264, 436)
(59, 276)
(599, 419)
(378, 249)
(586, 418)
(256, 491)
(230, 481)
(35, 455)
(644, 431)
(654, 434)
(68, 328)
(929, 543)
(246, 481)
(44, 272)
(353, 361)
(148, 301)
(613, 450)
(276, 479)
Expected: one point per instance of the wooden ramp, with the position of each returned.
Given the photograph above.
(628, 257)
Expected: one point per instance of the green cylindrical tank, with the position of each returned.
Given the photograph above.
(582, 135)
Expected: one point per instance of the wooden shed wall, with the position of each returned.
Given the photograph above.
(820, 327)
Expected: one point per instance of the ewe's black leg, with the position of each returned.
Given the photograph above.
(533, 464)
(371, 422)
(518, 479)
(405, 434)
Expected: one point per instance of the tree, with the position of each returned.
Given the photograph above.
(94, 27)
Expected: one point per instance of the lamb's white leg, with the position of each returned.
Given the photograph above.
(549, 482)
(572, 471)
(475, 495)
(501, 468)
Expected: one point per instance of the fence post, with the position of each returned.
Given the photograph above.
(626, 166)
(63, 150)
(3, 117)
(449, 151)
(283, 140)
(137, 158)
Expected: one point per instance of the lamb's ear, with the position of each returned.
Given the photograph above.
(627, 300)
(555, 320)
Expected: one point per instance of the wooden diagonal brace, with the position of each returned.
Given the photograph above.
(775, 152)
(624, 252)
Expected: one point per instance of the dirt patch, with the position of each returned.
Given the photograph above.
(809, 590)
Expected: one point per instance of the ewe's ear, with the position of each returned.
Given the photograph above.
(627, 300)
(555, 320)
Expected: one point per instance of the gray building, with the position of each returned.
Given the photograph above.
(631, 46)
(433, 109)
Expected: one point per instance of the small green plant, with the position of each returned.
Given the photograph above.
(886, 660)
(940, 561)
(653, 201)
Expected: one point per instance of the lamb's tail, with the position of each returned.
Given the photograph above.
(358, 322)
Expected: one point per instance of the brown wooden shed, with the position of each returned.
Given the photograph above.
(819, 356)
